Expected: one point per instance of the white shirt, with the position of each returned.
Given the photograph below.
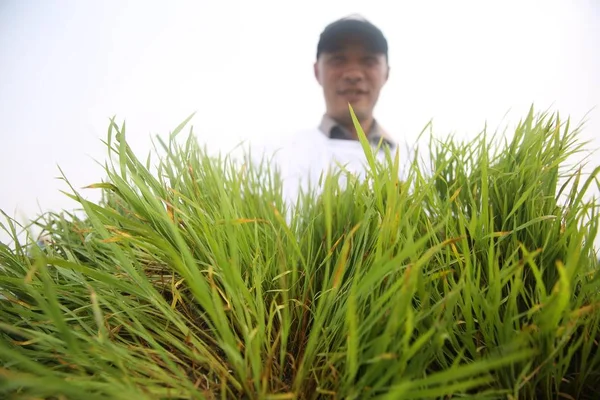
(302, 157)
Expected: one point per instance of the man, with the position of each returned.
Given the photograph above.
(352, 68)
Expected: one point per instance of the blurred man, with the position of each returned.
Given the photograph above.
(351, 67)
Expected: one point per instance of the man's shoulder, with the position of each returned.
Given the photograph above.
(298, 139)
(286, 144)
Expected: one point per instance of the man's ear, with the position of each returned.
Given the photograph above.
(316, 71)
(387, 74)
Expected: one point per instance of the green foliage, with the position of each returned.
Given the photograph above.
(475, 280)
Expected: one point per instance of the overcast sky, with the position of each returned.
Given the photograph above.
(245, 67)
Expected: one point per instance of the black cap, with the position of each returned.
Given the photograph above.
(353, 27)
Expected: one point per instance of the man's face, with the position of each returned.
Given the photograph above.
(351, 75)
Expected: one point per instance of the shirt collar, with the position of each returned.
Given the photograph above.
(333, 130)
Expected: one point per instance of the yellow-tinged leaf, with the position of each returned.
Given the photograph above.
(501, 234)
(335, 245)
(17, 301)
(451, 240)
(26, 342)
(584, 310)
(536, 307)
(328, 392)
(276, 211)
(242, 221)
(211, 281)
(118, 231)
(30, 274)
(529, 328)
(384, 356)
(101, 186)
(454, 250)
(341, 265)
(176, 298)
(455, 195)
(170, 212)
(224, 298)
(97, 313)
(441, 274)
(112, 239)
(252, 334)
(179, 282)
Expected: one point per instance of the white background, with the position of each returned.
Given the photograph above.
(245, 67)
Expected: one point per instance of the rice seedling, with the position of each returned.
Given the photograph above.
(193, 280)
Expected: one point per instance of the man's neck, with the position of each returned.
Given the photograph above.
(336, 130)
(366, 125)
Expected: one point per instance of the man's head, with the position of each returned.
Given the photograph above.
(352, 67)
